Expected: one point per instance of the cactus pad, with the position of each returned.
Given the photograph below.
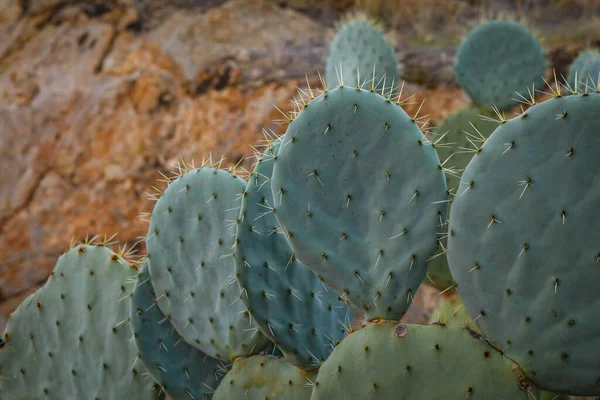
(183, 371)
(587, 68)
(265, 378)
(497, 59)
(389, 360)
(361, 194)
(190, 242)
(524, 245)
(451, 311)
(71, 338)
(289, 303)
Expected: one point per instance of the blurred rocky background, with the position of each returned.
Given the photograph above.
(96, 97)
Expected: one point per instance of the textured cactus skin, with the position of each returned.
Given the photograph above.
(359, 47)
(388, 360)
(71, 339)
(365, 147)
(497, 59)
(289, 303)
(265, 377)
(587, 68)
(189, 246)
(183, 371)
(526, 257)
(451, 311)
(455, 144)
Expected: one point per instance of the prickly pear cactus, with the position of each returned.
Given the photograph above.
(524, 243)
(391, 360)
(457, 139)
(71, 338)
(190, 242)
(360, 49)
(361, 194)
(586, 70)
(451, 311)
(289, 303)
(265, 378)
(183, 371)
(497, 59)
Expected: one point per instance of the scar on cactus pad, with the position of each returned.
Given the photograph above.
(71, 339)
(524, 244)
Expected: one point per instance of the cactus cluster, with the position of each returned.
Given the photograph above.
(250, 286)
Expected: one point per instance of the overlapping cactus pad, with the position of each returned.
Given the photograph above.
(524, 243)
(190, 245)
(181, 370)
(71, 339)
(265, 378)
(290, 304)
(585, 71)
(390, 360)
(361, 194)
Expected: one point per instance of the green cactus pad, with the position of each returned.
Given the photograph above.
(183, 371)
(361, 194)
(451, 311)
(190, 242)
(71, 339)
(265, 378)
(497, 59)
(357, 49)
(458, 135)
(587, 69)
(289, 303)
(390, 360)
(524, 243)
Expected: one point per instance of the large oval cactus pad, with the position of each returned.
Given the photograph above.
(71, 339)
(190, 242)
(361, 194)
(524, 243)
(291, 306)
(393, 361)
(183, 371)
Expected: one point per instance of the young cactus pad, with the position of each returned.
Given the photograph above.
(497, 59)
(190, 242)
(391, 361)
(289, 303)
(586, 70)
(360, 49)
(265, 378)
(361, 194)
(71, 339)
(524, 243)
(181, 370)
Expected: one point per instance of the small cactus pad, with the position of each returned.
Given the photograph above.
(524, 244)
(361, 194)
(586, 69)
(265, 378)
(457, 140)
(71, 339)
(289, 303)
(497, 59)
(360, 49)
(183, 371)
(190, 242)
(390, 360)
(451, 311)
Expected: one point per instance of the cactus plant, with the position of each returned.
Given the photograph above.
(289, 303)
(524, 246)
(585, 70)
(451, 311)
(71, 338)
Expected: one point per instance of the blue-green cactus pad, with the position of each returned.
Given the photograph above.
(190, 242)
(265, 378)
(524, 243)
(361, 195)
(393, 361)
(183, 371)
(71, 339)
(497, 59)
(291, 306)
(587, 69)
(357, 49)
